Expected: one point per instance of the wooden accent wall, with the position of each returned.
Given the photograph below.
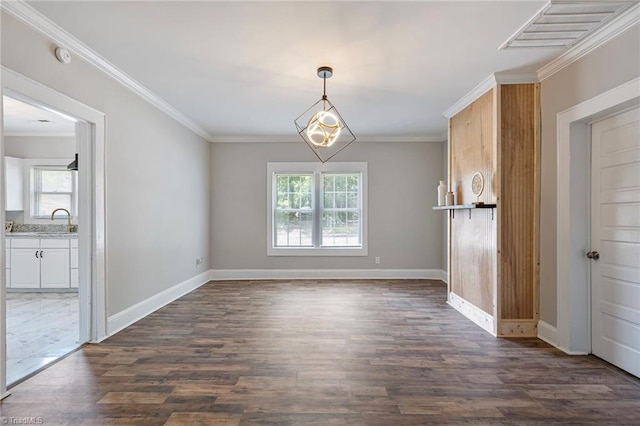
(473, 240)
(493, 273)
(517, 208)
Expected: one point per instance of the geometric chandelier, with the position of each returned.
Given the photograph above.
(322, 127)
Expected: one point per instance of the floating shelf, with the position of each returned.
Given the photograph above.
(466, 207)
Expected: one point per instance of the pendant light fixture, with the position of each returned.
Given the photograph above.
(322, 127)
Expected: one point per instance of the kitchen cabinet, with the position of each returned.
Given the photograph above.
(40, 263)
(14, 184)
(25, 267)
(74, 263)
(54, 268)
(7, 262)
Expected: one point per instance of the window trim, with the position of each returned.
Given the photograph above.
(36, 186)
(29, 195)
(316, 168)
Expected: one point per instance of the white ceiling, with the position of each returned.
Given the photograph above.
(248, 69)
(22, 119)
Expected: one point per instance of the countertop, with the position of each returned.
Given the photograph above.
(42, 235)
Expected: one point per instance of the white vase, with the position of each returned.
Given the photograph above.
(442, 193)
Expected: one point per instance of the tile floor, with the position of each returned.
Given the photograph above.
(41, 327)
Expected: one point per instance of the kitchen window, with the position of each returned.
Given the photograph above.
(317, 209)
(52, 187)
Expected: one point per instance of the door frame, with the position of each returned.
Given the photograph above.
(574, 210)
(91, 208)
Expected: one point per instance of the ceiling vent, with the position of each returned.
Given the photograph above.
(564, 23)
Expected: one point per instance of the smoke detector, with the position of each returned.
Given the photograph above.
(63, 55)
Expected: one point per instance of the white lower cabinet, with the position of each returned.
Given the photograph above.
(40, 263)
(7, 262)
(54, 268)
(74, 263)
(25, 268)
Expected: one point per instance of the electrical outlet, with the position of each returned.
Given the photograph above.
(377, 260)
(199, 261)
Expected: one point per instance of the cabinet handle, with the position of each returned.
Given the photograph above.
(36, 254)
(41, 254)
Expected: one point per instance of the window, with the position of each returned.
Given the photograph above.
(53, 187)
(317, 209)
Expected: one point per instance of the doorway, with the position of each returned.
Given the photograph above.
(90, 137)
(615, 240)
(573, 333)
(41, 260)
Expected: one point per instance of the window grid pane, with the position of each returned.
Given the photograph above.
(293, 219)
(341, 225)
(55, 181)
(53, 188)
(47, 203)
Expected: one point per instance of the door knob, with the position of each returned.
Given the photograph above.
(593, 255)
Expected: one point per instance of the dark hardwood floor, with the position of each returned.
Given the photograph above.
(383, 352)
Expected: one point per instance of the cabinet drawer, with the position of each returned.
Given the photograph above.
(54, 243)
(25, 243)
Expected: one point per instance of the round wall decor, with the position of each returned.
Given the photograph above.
(477, 186)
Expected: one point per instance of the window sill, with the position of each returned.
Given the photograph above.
(319, 252)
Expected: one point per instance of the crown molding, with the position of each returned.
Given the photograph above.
(482, 88)
(360, 139)
(487, 84)
(256, 139)
(403, 139)
(28, 15)
(506, 77)
(607, 32)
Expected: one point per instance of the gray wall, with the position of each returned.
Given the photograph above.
(445, 215)
(157, 174)
(403, 229)
(615, 63)
(62, 147)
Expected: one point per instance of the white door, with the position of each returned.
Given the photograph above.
(615, 237)
(25, 268)
(54, 268)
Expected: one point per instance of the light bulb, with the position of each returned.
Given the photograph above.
(323, 129)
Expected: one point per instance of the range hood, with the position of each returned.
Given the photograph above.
(74, 164)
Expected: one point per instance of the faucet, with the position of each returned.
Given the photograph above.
(68, 217)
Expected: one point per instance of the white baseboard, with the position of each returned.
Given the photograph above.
(125, 318)
(318, 274)
(472, 312)
(444, 276)
(548, 333)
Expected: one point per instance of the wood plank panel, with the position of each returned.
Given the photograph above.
(473, 242)
(308, 352)
(517, 203)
